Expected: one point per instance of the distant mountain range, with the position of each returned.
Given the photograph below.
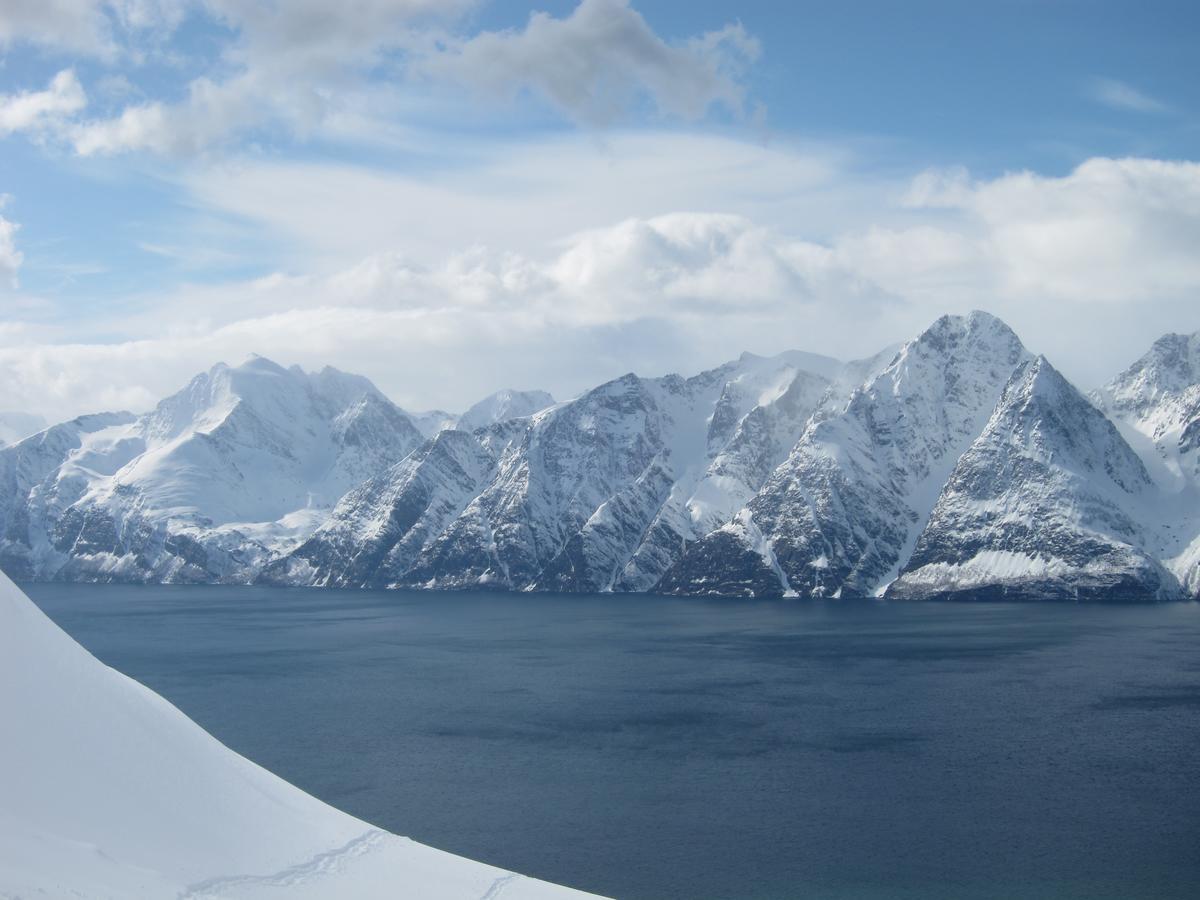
(958, 465)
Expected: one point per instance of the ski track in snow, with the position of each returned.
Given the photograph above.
(321, 865)
(499, 886)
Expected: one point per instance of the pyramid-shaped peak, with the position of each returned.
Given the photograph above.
(1176, 357)
(256, 364)
(1168, 371)
(1037, 378)
(976, 342)
(975, 325)
(1041, 406)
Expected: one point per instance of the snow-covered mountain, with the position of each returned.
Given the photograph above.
(788, 475)
(1156, 404)
(501, 406)
(1046, 504)
(238, 466)
(111, 792)
(841, 514)
(30, 497)
(757, 419)
(431, 422)
(495, 407)
(598, 493)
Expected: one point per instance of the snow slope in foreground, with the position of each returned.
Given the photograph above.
(107, 790)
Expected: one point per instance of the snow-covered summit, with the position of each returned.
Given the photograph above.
(1159, 398)
(502, 405)
(111, 792)
(496, 407)
(801, 360)
(1156, 404)
(1168, 371)
(240, 462)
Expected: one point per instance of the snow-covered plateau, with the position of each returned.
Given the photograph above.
(109, 791)
(955, 465)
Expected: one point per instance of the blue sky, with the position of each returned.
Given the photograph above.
(451, 197)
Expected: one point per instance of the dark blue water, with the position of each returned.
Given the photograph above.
(660, 748)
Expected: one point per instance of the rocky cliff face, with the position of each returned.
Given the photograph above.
(599, 493)
(1047, 503)
(841, 514)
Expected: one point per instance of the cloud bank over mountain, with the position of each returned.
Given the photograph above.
(1081, 264)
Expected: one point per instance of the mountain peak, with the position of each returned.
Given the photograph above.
(981, 317)
(1159, 393)
(1038, 377)
(1171, 365)
(949, 330)
(503, 405)
(1049, 453)
(256, 363)
(1043, 410)
(953, 352)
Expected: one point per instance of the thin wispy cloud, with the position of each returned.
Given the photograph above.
(1124, 97)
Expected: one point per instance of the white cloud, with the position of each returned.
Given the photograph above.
(79, 25)
(10, 256)
(288, 66)
(939, 188)
(1125, 97)
(145, 127)
(309, 67)
(305, 33)
(1089, 268)
(1111, 230)
(641, 294)
(97, 28)
(37, 111)
(1120, 231)
(595, 62)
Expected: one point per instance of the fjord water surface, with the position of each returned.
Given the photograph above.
(650, 747)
